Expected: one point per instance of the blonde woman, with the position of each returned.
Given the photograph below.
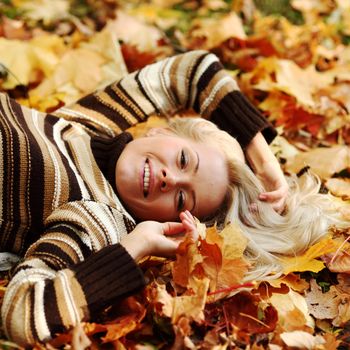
(81, 201)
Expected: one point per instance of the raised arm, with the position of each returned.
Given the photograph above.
(194, 80)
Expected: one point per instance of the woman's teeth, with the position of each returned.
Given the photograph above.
(146, 174)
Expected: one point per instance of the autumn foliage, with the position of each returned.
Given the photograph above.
(292, 60)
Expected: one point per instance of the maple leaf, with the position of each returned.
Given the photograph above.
(322, 161)
(215, 31)
(322, 305)
(291, 280)
(249, 314)
(307, 261)
(187, 258)
(295, 303)
(302, 340)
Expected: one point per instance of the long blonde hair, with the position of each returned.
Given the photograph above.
(307, 218)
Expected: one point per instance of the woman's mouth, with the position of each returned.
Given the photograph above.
(146, 179)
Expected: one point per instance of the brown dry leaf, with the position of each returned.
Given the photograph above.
(213, 31)
(191, 306)
(302, 340)
(223, 257)
(234, 243)
(134, 31)
(287, 303)
(39, 54)
(187, 257)
(339, 187)
(307, 261)
(291, 280)
(161, 300)
(340, 260)
(343, 311)
(322, 161)
(70, 80)
(300, 83)
(322, 305)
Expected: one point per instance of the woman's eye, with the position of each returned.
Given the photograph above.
(181, 201)
(183, 159)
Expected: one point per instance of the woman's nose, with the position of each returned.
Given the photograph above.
(167, 180)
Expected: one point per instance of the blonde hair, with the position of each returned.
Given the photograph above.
(307, 218)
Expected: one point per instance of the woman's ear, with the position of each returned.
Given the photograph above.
(159, 131)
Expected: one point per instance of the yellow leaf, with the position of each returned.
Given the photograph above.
(284, 303)
(300, 83)
(215, 31)
(234, 243)
(192, 306)
(307, 261)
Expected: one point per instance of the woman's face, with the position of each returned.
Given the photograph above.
(161, 175)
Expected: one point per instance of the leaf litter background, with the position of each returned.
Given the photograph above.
(292, 60)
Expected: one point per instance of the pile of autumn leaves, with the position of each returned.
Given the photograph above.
(298, 75)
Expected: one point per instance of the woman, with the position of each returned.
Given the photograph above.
(74, 185)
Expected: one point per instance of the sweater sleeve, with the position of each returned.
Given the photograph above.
(194, 80)
(73, 272)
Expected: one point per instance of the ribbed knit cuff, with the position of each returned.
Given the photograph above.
(108, 275)
(236, 115)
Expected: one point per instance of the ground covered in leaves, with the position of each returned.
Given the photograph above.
(292, 60)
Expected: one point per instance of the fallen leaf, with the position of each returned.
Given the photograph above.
(307, 261)
(44, 10)
(293, 281)
(302, 340)
(191, 306)
(322, 161)
(246, 312)
(322, 305)
(285, 304)
(215, 31)
(339, 187)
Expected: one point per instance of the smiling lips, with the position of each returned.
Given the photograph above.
(146, 179)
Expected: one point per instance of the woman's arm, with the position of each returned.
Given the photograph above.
(73, 272)
(78, 268)
(194, 80)
(268, 170)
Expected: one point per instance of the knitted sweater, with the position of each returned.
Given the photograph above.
(59, 211)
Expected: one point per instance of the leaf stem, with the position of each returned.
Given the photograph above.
(229, 289)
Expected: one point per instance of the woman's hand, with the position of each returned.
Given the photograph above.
(272, 177)
(161, 239)
(189, 224)
(150, 238)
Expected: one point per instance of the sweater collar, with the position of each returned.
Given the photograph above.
(106, 153)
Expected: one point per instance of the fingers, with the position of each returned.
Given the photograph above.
(189, 223)
(273, 195)
(173, 228)
(277, 198)
(188, 220)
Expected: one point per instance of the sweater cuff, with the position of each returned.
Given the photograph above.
(236, 115)
(108, 275)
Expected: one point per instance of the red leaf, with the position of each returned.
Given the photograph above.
(244, 310)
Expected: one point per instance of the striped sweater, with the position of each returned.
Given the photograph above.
(57, 208)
